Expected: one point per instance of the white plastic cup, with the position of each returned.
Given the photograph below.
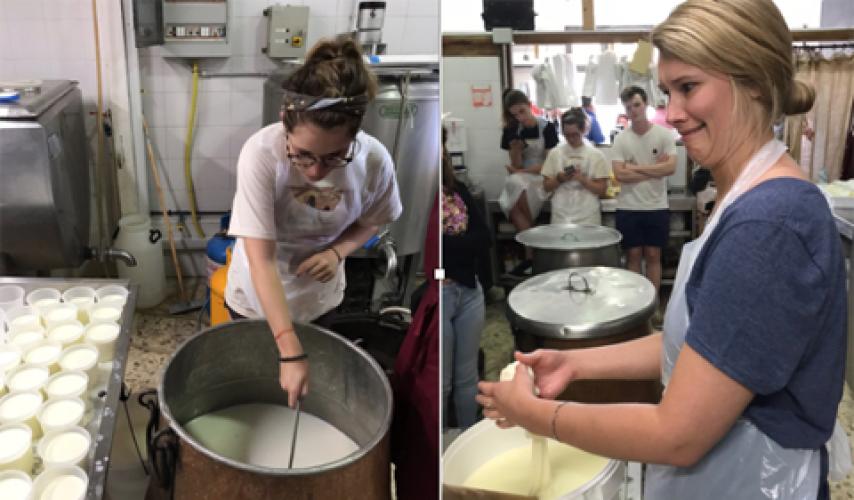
(60, 413)
(112, 294)
(2, 384)
(45, 353)
(67, 482)
(59, 314)
(22, 408)
(3, 328)
(27, 377)
(103, 336)
(67, 334)
(16, 485)
(23, 318)
(81, 357)
(83, 297)
(26, 339)
(41, 298)
(16, 448)
(10, 357)
(65, 447)
(70, 384)
(11, 296)
(105, 313)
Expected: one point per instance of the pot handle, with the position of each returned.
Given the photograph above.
(161, 444)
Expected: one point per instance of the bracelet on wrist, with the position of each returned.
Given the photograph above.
(554, 419)
(281, 333)
(340, 259)
(292, 359)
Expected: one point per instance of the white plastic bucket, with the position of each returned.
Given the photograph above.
(484, 441)
(68, 479)
(137, 237)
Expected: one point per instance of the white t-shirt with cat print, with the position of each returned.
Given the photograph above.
(276, 202)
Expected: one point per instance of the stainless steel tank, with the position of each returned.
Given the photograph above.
(412, 141)
(44, 179)
(236, 363)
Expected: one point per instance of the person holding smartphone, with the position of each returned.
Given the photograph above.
(576, 173)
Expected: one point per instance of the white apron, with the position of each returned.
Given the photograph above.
(746, 463)
(302, 231)
(572, 203)
(530, 184)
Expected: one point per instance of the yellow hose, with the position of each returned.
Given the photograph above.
(188, 152)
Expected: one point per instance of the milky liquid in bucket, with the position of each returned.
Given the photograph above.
(260, 434)
(512, 471)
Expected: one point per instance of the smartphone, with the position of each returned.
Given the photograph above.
(569, 170)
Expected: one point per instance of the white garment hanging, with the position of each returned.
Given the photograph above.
(606, 79)
(564, 79)
(548, 93)
(589, 87)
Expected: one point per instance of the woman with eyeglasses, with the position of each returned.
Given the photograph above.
(310, 190)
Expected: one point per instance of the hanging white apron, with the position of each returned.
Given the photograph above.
(746, 463)
(531, 184)
(302, 230)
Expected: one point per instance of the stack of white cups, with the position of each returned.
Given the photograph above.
(54, 348)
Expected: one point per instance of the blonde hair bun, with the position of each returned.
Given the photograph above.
(801, 98)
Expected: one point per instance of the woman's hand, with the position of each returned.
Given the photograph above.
(504, 402)
(552, 370)
(293, 375)
(321, 266)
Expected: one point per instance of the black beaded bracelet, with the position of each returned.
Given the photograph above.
(291, 359)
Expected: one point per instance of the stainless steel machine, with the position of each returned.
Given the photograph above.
(44, 179)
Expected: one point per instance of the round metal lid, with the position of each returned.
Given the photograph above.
(569, 237)
(582, 302)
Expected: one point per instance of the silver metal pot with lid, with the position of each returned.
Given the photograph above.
(587, 307)
(560, 246)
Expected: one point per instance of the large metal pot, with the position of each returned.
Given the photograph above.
(587, 307)
(236, 363)
(560, 246)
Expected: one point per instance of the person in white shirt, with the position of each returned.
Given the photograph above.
(576, 173)
(643, 155)
(310, 190)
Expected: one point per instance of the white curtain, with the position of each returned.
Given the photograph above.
(833, 80)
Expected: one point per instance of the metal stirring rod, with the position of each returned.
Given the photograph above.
(294, 438)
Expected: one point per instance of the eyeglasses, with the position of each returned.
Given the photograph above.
(307, 160)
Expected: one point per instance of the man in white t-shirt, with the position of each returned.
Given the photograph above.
(643, 155)
(577, 174)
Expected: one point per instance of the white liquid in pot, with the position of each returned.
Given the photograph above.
(64, 488)
(260, 434)
(15, 488)
(513, 471)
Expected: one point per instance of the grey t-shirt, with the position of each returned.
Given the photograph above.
(641, 150)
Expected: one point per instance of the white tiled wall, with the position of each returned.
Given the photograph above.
(485, 159)
(229, 109)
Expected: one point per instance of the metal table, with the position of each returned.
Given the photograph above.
(845, 223)
(105, 402)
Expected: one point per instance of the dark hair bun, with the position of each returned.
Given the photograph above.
(801, 98)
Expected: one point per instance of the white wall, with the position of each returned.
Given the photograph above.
(485, 159)
(229, 109)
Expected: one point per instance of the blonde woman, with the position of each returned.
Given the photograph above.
(752, 353)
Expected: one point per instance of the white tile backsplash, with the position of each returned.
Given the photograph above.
(214, 108)
(423, 8)
(422, 35)
(322, 8)
(24, 10)
(246, 109)
(320, 27)
(211, 142)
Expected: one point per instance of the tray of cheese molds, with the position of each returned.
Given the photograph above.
(63, 351)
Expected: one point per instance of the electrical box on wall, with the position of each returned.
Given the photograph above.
(287, 29)
(194, 28)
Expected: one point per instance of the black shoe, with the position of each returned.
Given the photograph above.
(522, 268)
